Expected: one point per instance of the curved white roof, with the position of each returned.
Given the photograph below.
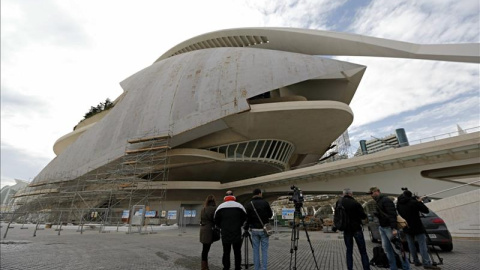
(318, 42)
(204, 90)
(199, 90)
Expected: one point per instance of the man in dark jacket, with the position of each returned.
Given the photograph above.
(410, 208)
(259, 237)
(353, 230)
(387, 217)
(230, 217)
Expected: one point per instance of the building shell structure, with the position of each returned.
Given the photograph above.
(217, 108)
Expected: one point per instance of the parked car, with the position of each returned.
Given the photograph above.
(437, 231)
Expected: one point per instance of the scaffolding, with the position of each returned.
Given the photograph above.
(100, 197)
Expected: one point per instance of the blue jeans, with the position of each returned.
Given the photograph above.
(422, 245)
(348, 238)
(260, 238)
(386, 235)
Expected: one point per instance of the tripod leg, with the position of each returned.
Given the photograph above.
(310, 243)
(294, 244)
(246, 238)
(440, 260)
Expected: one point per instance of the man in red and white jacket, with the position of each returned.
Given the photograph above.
(230, 217)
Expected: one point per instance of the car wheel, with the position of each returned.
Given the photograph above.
(447, 247)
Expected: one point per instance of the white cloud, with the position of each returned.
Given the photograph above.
(296, 13)
(58, 58)
(452, 109)
(422, 21)
(395, 86)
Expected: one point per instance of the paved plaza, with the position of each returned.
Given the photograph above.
(173, 248)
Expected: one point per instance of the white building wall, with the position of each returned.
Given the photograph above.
(461, 213)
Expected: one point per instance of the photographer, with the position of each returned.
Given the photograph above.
(410, 207)
(387, 217)
(353, 230)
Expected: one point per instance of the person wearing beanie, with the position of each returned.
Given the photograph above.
(410, 207)
(230, 217)
(229, 196)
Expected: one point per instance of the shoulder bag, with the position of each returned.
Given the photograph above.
(267, 228)
(401, 222)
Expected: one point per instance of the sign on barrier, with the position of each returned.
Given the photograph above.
(287, 213)
(172, 214)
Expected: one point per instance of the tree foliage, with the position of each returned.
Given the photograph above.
(102, 106)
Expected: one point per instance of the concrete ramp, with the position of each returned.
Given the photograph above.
(461, 213)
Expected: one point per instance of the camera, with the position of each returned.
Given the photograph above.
(296, 196)
(424, 199)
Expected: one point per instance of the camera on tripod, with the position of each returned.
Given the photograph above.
(297, 199)
(296, 196)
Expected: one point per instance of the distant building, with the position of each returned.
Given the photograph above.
(399, 139)
(7, 193)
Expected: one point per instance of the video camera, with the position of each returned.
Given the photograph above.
(415, 196)
(296, 196)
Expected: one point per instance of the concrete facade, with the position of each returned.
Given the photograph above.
(461, 213)
(237, 89)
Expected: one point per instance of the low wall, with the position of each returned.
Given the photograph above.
(461, 213)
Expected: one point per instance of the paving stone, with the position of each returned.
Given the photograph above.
(180, 249)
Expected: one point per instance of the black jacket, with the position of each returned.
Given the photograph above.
(230, 217)
(409, 208)
(354, 212)
(387, 215)
(263, 210)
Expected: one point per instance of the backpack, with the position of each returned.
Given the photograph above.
(340, 219)
(380, 259)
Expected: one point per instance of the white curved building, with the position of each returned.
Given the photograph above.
(229, 105)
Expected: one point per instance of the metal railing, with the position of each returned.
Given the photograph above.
(276, 152)
(445, 135)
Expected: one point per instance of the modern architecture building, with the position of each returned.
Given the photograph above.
(8, 192)
(213, 110)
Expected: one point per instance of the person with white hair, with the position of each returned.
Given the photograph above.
(353, 230)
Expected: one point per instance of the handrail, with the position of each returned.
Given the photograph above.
(277, 152)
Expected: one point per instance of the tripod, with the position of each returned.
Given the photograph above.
(297, 216)
(429, 241)
(246, 236)
(440, 259)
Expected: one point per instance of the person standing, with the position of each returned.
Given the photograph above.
(353, 230)
(258, 213)
(410, 208)
(387, 217)
(230, 217)
(206, 226)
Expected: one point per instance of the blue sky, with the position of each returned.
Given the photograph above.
(58, 58)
